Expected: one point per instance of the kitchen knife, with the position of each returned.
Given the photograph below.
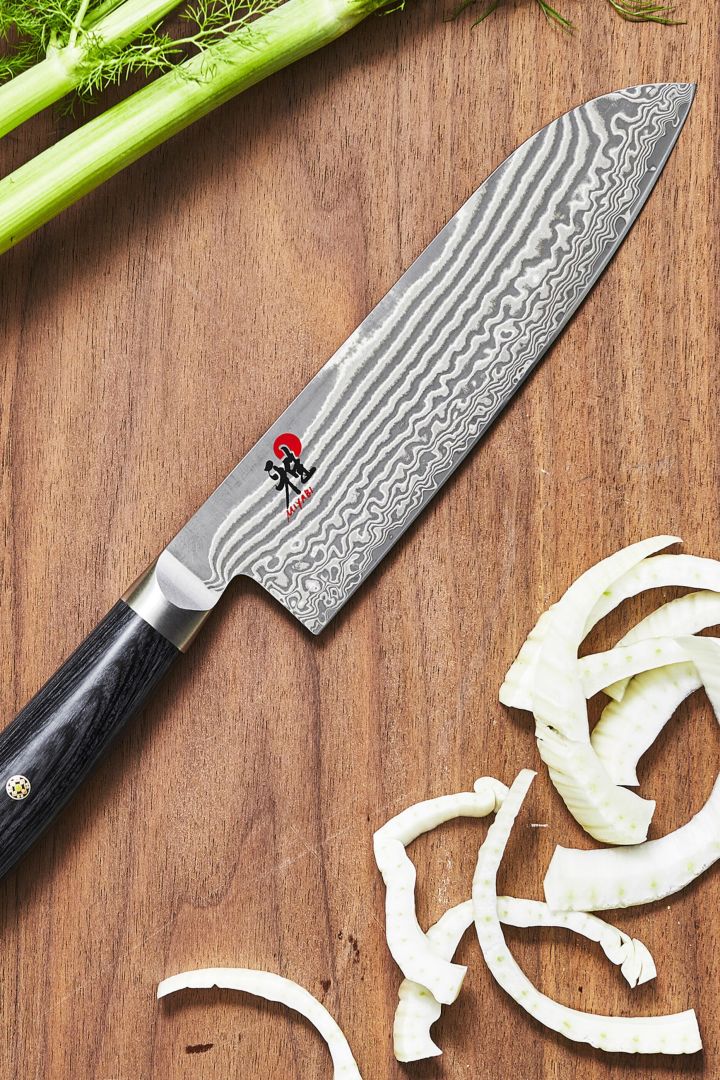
(321, 497)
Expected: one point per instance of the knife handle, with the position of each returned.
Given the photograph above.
(54, 742)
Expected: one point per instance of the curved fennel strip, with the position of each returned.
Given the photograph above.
(602, 668)
(627, 728)
(595, 880)
(516, 689)
(685, 615)
(674, 1034)
(623, 877)
(629, 954)
(686, 571)
(705, 655)
(607, 812)
(266, 984)
(411, 949)
(418, 1010)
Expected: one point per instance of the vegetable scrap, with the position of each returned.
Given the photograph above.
(412, 950)
(674, 1034)
(418, 1010)
(272, 987)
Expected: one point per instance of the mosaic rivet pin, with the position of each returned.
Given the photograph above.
(18, 787)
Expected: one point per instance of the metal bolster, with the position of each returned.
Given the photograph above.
(146, 598)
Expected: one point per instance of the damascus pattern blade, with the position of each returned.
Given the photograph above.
(314, 506)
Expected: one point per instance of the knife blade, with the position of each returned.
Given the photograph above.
(326, 492)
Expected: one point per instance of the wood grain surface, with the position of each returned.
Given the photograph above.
(149, 336)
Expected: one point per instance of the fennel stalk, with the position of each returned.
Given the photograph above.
(56, 178)
(65, 64)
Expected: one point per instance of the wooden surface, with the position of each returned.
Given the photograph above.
(149, 336)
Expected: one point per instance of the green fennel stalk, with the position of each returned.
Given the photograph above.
(80, 162)
(66, 63)
(88, 44)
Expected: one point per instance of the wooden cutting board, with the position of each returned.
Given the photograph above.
(150, 334)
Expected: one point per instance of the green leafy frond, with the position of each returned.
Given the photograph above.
(155, 50)
(631, 10)
(555, 17)
(29, 28)
(645, 11)
(488, 11)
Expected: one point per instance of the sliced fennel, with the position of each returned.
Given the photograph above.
(608, 812)
(686, 571)
(674, 1034)
(691, 661)
(693, 612)
(418, 1010)
(685, 615)
(266, 984)
(629, 954)
(614, 878)
(411, 949)
(627, 728)
(623, 877)
(624, 661)
(516, 690)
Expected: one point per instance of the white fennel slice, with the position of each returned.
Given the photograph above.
(628, 728)
(413, 951)
(679, 617)
(674, 1034)
(662, 571)
(272, 987)
(516, 689)
(624, 877)
(606, 811)
(613, 878)
(597, 669)
(629, 954)
(418, 1010)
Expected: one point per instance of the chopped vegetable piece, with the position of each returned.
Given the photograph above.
(685, 615)
(595, 880)
(623, 877)
(629, 954)
(608, 812)
(516, 690)
(687, 571)
(418, 1010)
(266, 984)
(646, 707)
(598, 669)
(705, 655)
(675, 1034)
(411, 949)
(627, 728)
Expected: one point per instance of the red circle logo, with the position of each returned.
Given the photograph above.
(288, 441)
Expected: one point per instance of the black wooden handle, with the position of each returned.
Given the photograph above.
(51, 746)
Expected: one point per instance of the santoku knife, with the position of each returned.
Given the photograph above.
(320, 498)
